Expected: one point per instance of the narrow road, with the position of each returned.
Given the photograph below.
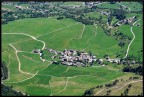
(80, 36)
(19, 63)
(24, 79)
(82, 31)
(99, 92)
(132, 39)
(64, 87)
(95, 32)
(125, 6)
(117, 86)
(34, 38)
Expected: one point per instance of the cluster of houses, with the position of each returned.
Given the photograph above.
(119, 61)
(78, 58)
(73, 58)
(105, 13)
(126, 21)
(90, 4)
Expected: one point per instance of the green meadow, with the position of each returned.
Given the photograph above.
(43, 78)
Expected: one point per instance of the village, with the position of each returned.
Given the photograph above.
(78, 58)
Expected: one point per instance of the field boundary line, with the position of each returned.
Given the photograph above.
(81, 35)
(19, 63)
(57, 30)
(20, 41)
(66, 82)
(29, 77)
(99, 91)
(8, 69)
(50, 89)
(95, 32)
(24, 79)
(29, 58)
(78, 37)
(91, 38)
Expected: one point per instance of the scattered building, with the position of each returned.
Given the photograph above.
(126, 21)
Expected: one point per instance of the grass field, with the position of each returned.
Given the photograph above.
(72, 3)
(110, 6)
(27, 73)
(137, 45)
(135, 6)
(9, 7)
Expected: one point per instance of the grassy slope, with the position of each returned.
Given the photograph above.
(137, 43)
(9, 7)
(119, 88)
(36, 26)
(135, 6)
(101, 43)
(40, 83)
(110, 6)
(57, 84)
(60, 39)
(31, 66)
(12, 38)
(15, 75)
(28, 46)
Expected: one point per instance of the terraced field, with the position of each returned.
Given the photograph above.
(29, 74)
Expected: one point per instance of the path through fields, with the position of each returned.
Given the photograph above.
(125, 6)
(35, 38)
(57, 30)
(132, 39)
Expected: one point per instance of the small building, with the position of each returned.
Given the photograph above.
(133, 62)
(36, 51)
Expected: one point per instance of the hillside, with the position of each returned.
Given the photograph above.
(70, 48)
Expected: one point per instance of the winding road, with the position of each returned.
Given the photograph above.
(34, 38)
(132, 39)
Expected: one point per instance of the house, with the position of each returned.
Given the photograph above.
(109, 60)
(100, 61)
(36, 51)
(41, 54)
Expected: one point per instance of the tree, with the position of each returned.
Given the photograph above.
(89, 92)
(119, 13)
